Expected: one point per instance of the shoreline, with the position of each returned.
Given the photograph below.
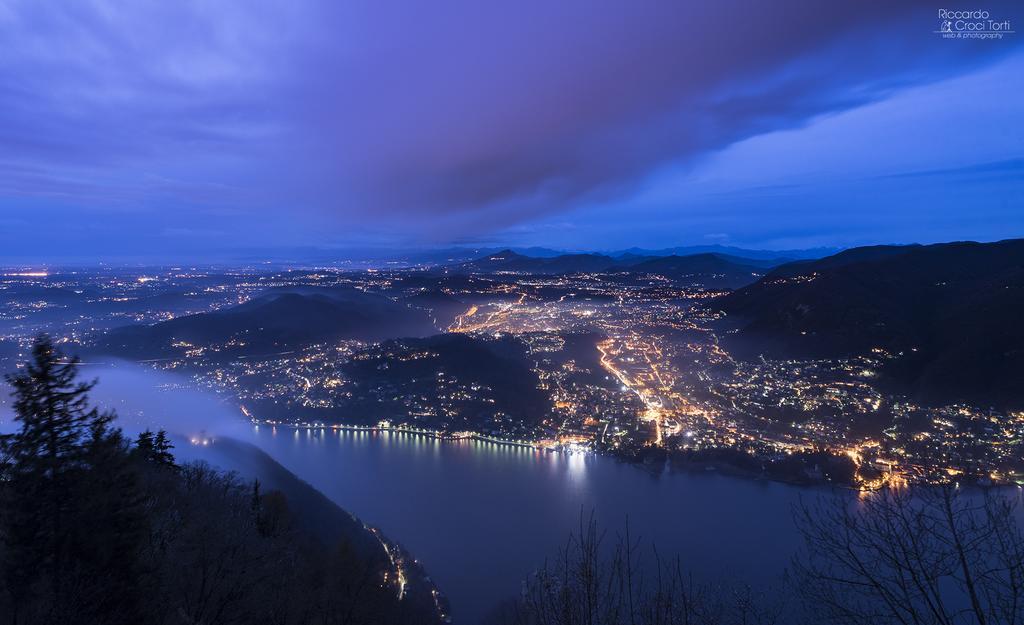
(668, 464)
(671, 462)
(435, 434)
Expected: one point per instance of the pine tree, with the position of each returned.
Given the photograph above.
(111, 525)
(154, 449)
(144, 445)
(53, 410)
(57, 513)
(162, 450)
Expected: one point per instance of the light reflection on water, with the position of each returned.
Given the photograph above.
(482, 516)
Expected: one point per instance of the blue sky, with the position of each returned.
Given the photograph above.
(159, 130)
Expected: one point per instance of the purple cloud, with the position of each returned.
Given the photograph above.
(440, 119)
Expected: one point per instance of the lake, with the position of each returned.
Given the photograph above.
(482, 516)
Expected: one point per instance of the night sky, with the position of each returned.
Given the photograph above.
(201, 129)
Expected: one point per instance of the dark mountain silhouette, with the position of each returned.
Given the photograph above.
(774, 256)
(443, 308)
(313, 512)
(717, 270)
(949, 312)
(507, 260)
(846, 257)
(277, 320)
(450, 256)
(423, 368)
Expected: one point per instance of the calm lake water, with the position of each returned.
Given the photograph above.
(482, 516)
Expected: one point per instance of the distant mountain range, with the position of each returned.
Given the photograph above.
(706, 263)
(507, 260)
(712, 270)
(778, 256)
(951, 313)
(281, 319)
(451, 255)
(458, 255)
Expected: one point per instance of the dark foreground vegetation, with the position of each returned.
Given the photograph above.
(99, 529)
(937, 556)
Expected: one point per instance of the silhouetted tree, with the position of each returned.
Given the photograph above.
(111, 525)
(162, 450)
(144, 445)
(155, 448)
(590, 583)
(927, 556)
(46, 460)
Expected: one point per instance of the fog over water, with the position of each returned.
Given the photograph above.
(144, 398)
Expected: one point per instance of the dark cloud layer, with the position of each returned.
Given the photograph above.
(426, 119)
